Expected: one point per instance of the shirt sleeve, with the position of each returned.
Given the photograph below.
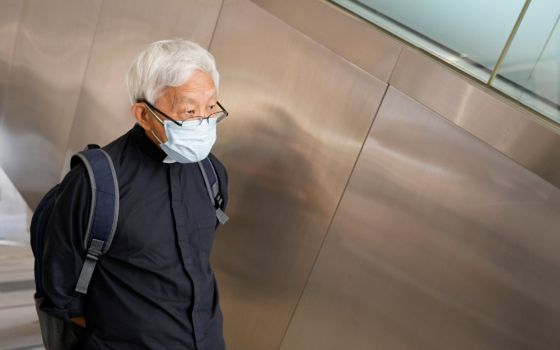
(63, 253)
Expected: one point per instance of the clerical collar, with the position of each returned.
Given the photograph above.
(146, 145)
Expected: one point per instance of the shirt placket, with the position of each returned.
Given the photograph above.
(186, 239)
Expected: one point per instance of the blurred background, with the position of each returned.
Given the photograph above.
(394, 167)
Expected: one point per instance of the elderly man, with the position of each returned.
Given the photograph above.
(154, 288)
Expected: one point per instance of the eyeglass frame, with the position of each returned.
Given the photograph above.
(180, 123)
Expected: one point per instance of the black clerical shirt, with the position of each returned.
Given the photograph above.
(154, 288)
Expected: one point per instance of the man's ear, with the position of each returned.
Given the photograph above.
(140, 112)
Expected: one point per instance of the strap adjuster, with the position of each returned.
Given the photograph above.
(92, 257)
(93, 253)
(95, 249)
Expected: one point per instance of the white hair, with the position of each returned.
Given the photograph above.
(167, 63)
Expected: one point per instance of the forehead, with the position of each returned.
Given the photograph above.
(198, 86)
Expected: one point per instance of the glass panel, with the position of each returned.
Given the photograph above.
(469, 35)
(531, 69)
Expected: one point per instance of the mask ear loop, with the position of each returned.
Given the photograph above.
(159, 120)
(157, 138)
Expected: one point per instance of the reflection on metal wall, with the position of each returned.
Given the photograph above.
(440, 242)
(48, 65)
(529, 141)
(124, 28)
(512, 129)
(300, 114)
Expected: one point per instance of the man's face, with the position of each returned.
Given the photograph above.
(195, 98)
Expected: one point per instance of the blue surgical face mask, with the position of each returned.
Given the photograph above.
(188, 143)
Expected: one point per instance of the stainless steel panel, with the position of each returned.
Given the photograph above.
(48, 65)
(10, 12)
(347, 35)
(299, 116)
(514, 130)
(440, 242)
(124, 28)
(518, 133)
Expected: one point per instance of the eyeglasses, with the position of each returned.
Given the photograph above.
(219, 115)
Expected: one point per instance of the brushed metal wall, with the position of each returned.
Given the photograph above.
(445, 235)
(440, 242)
(10, 13)
(46, 73)
(506, 125)
(124, 28)
(299, 116)
(350, 37)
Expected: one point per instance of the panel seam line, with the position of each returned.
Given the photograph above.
(332, 220)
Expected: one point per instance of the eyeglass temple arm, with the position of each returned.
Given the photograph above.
(157, 110)
(222, 107)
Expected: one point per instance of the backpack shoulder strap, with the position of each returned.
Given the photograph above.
(104, 209)
(213, 187)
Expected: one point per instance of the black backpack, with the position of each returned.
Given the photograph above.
(60, 334)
